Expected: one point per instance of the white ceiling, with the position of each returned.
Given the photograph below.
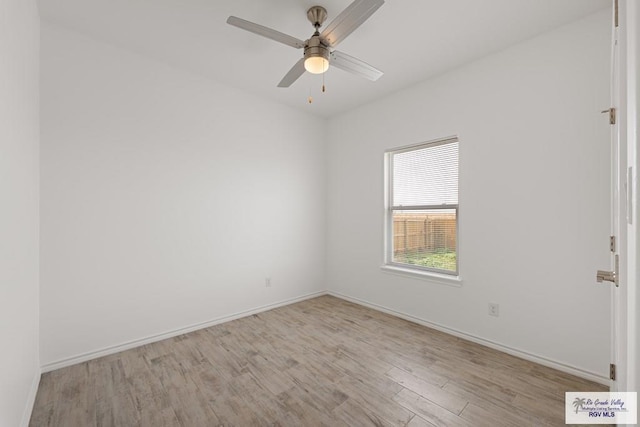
(410, 40)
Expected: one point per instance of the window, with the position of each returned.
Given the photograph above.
(422, 207)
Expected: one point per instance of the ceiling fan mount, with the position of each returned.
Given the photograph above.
(317, 15)
(319, 49)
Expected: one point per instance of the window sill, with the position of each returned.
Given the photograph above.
(441, 279)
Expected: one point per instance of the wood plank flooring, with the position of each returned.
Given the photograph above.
(324, 361)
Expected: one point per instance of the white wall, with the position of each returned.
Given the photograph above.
(534, 196)
(19, 137)
(166, 199)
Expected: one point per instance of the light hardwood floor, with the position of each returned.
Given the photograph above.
(323, 361)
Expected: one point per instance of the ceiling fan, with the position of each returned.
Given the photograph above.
(319, 50)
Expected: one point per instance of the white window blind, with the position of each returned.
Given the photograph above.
(426, 176)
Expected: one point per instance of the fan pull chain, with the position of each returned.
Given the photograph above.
(324, 89)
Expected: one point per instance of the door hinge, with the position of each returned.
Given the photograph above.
(615, 13)
(612, 115)
(612, 243)
(612, 371)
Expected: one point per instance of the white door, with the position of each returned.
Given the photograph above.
(620, 214)
(615, 276)
(625, 97)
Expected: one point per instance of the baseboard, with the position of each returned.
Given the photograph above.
(69, 361)
(31, 399)
(591, 376)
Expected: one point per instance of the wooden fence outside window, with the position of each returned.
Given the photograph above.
(424, 232)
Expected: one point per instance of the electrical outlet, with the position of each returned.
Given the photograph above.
(494, 309)
(267, 282)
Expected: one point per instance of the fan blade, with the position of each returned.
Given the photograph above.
(354, 65)
(350, 19)
(265, 32)
(294, 74)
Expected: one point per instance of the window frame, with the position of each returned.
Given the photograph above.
(411, 269)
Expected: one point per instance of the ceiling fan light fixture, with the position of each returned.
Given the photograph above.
(316, 64)
(316, 56)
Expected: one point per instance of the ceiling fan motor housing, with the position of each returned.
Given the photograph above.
(315, 48)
